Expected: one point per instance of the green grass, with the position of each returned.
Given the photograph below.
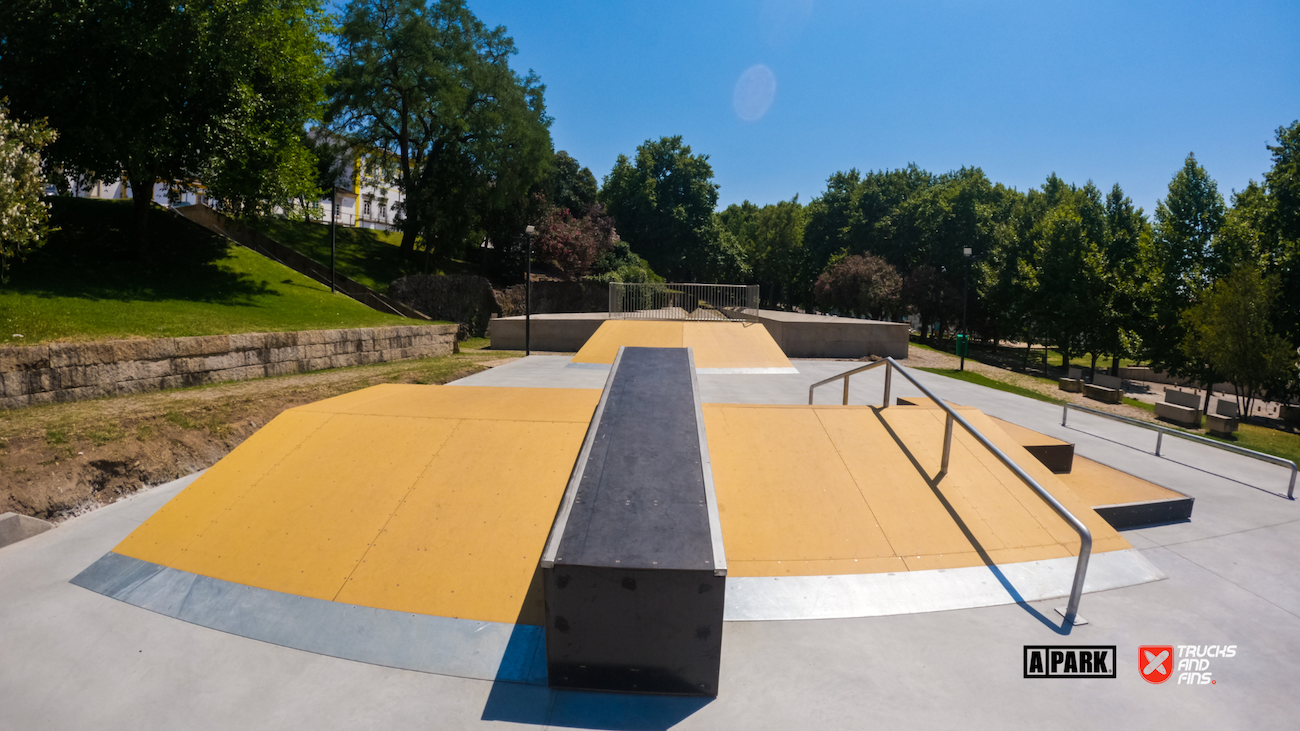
(88, 283)
(1269, 441)
(372, 258)
(979, 380)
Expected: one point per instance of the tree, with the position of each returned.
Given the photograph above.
(1283, 226)
(1070, 298)
(571, 187)
(860, 285)
(663, 204)
(931, 296)
(772, 240)
(432, 84)
(1186, 224)
(216, 90)
(1230, 328)
(574, 244)
(23, 214)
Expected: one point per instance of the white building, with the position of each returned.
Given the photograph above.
(372, 200)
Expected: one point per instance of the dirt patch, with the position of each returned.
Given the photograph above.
(63, 460)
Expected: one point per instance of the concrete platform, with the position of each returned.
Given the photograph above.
(79, 659)
(798, 335)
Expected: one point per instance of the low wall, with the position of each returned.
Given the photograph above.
(1143, 373)
(798, 335)
(561, 333)
(823, 336)
(40, 374)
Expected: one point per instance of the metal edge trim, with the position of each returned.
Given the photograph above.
(706, 465)
(579, 467)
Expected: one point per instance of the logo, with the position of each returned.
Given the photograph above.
(1069, 661)
(1156, 662)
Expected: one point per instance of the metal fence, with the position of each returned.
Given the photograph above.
(682, 301)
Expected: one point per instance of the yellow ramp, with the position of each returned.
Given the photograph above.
(820, 490)
(425, 499)
(718, 345)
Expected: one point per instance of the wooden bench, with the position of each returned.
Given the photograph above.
(1180, 408)
(1224, 419)
(1073, 382)
(1104, 388)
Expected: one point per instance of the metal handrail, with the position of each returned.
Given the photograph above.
(1162, 431)
(1085, 535)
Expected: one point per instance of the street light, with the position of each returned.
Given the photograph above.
(964, 342)
(528, 295)
(334, 217)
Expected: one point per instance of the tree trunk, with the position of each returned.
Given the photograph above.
(1114, 366)
(1093, 370)
(1209, 391)
(141, 199)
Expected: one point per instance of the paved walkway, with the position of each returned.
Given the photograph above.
(76, 659)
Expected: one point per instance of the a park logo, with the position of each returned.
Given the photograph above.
(1156, 662)
(1069, 661)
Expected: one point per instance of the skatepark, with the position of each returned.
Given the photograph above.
(382, 558)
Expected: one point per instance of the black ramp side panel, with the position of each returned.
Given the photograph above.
(633, 600)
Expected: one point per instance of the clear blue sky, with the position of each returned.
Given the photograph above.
(1107, 91)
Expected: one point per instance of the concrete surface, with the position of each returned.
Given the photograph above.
(15, 527)
(76, 659)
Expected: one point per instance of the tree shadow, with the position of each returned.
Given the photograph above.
(1064, 628)
(520, 694)
(94, 256)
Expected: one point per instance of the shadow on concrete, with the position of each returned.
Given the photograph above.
(536, 704)
(1229, 478)
(933, 482)
(541, 706)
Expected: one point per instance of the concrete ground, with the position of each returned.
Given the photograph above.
(76, 659)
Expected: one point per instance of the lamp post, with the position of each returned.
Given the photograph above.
(528, 296)
(965, 292)
(334, 217)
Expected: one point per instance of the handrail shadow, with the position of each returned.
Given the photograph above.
(933, 482)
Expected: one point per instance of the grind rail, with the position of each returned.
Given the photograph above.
(1162, 431)
(1085, 535)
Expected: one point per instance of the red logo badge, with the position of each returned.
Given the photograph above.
(1156, 662)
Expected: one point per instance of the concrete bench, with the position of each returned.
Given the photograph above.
(1107, 389)
(1073, 381)
(1224, 419)
(1180, 408)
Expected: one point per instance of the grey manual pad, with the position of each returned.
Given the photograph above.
(443, 645)
(641, 502)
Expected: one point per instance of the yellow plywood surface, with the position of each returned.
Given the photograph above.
(783, 492)
(732, 345)
(715, 344)
(1094, 483)
(1025, 437)
(453, 488)
(468, 537)
(603, 345)
(806, 490)
(1098, 484)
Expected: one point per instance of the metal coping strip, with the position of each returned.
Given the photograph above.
(1290, 491)
(579, 467)
(706, 465)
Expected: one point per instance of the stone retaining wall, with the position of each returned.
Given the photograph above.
(41, 374)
